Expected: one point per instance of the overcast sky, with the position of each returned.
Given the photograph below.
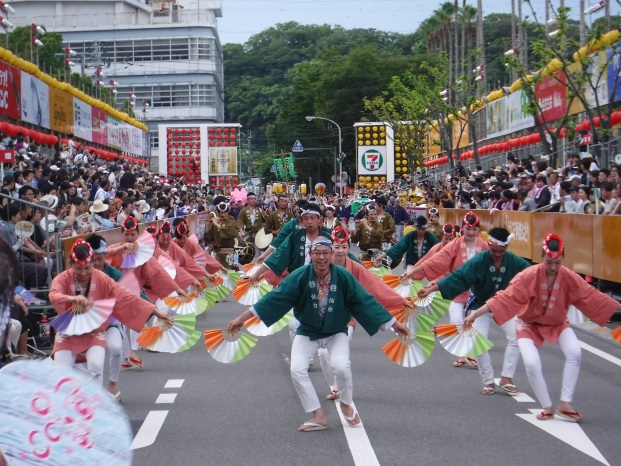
(244, 18)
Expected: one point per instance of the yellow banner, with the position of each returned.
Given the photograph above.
(61, 111)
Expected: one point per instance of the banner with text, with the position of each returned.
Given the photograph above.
(35, 101)
(10, 91)
(82, 120)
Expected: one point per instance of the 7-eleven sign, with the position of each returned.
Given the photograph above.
(372, 161)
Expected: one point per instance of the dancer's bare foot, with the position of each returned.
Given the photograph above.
(317, 422)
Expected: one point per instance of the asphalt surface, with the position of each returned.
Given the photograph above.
(248, 412)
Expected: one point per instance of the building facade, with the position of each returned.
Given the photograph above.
(166, 53)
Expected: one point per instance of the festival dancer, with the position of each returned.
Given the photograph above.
(324, 297)
(385, 295)
(449, 233)
(540, 297)
(151, 276)
(485, 274)
(191, 247)
(80, 285)
(179, 257)
(415, 245)
(454, 255)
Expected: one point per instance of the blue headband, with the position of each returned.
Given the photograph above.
(323, 242)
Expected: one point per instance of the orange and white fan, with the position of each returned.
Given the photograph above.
(229, 278)
(183, 305)
(170, 338)
(167, 265)
(414, 319)
(616, 334)
(142, 250)
(402, 285)
(79, 320)
(249, 294)
(462, 342)
(228, 347)
(251, 268)
(259, 329)
(434, 305)
(411, 351)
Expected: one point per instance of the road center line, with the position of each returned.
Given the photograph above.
(164, 398)
(601, 354)
(174, 383)
(149, 429)
(358, 441)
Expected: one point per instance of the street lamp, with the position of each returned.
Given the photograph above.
(311, 118)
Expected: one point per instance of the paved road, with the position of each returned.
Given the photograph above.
(248, 412)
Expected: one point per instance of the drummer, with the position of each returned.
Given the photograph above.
(278, 218)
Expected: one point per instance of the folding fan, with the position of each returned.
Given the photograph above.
(433, 304)
(402, 286)
(367, 264)
(24, 229)
(250, 269)
(462, 342)
(229, 278)
(259, 329)
(379, 271)
(575, 316)
(170, 338)
(222, 292)
(142, 251)
(249, 294)
(616, 334)
(167, 265)
(211, 296)
(189, 304)
(200, 257)
(226, 347)
(414, 319)
(411, 351)
(78, 320)
(130, 282)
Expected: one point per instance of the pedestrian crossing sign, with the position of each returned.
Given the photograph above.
(297, 147)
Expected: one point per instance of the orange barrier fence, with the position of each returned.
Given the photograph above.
(591, 241)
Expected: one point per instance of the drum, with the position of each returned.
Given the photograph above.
(244, 251)
(262, 239)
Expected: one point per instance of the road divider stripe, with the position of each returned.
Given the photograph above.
(358, 441)
(149, 429)
(164, 398)
(601, 353)
(174, 383)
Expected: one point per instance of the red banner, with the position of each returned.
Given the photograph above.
(551, 96)
(10, 91)
(7, 156)
(100, 126)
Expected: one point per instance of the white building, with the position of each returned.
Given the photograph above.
(167, 53)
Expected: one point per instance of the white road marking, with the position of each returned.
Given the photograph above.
(520, 397)
(174, 383)
(358, 441)
(569, 432)
(149, 429)
(164, 398)
(601, 353)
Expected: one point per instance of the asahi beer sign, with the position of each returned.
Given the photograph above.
(372, 160)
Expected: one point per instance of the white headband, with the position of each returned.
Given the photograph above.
(310, 211)
(502, 243)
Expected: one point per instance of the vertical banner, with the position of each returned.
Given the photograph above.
(551, 95)
(372, 160)
(114, 132)
(35, 101)
(10, 91)
(222, 161)
(99, 126)
(82, 120)
(61, 111)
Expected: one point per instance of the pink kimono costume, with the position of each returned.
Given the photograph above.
(192, 248)
(129, 309)
(541, 315)
(450, 258)
(183, 279)
(183, 260)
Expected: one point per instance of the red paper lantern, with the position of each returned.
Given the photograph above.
(226, 144)
(219, 130)
(213, 185)
(235, 179)
(233, 130)
(213, 180)
(563, 132)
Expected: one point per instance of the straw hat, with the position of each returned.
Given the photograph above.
(98, 206)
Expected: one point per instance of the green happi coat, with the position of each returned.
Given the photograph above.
(288, 228)
(346, 299)
(292, 252)
(481, 277)
(408, 245)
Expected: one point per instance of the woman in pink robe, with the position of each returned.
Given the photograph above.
(540, 297)
(177, 254)
(78, 286)
(192, 248)
(450, 258)
(151, 276)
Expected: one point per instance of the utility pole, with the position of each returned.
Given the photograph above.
(250, 161)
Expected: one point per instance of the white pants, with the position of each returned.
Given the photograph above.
(15, 331)
(133, 335)
(573, 354)
(301, 353)
(95, 357)
(512, 351)
(293, 327)
(326, 361)
(117, 346)
(456, 312)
